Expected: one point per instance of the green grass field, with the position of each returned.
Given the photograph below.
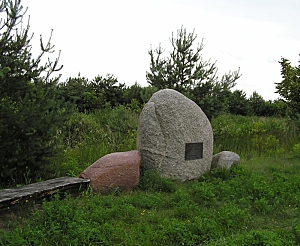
(255, 203)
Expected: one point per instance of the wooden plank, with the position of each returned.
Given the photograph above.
(10, 197)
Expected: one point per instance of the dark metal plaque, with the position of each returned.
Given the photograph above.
(193, 151)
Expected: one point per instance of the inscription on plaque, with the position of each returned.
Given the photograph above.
(193, 151)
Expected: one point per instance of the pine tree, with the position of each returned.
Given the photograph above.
(30, 114)
(289, 87)
(184, 68)
(186, 71)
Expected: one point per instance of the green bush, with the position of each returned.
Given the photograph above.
(31, 113)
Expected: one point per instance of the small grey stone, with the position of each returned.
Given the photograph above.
(225, 159)
(166, 124)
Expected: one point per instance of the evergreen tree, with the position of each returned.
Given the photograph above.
(289, 87)
(112, 90)
(257, 104)
(138, 93)
(133, 92)
(79, 92)
(88, 96)
(186, 71)
(184, 68)
(30, 114)
(277, 108)
(239, 104)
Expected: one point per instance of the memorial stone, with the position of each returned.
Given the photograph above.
(174, 136)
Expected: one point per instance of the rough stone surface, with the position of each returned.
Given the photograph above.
(225, 159)
(120, 169)
(167, 122)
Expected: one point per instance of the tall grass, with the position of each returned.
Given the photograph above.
(252, 136)
(255, 203)
(87, 137)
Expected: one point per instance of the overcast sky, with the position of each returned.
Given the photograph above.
(97, 37)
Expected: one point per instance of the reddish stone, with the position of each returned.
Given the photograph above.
(120, 169)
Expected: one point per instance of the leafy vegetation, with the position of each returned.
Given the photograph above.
(30, 112)
(256, 203)
(185, 68)
(186, 71)
(88, 96)
(289, 87)
(87, 137)
(50, 129)
(255, 136)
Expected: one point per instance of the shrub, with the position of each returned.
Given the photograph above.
(30, 112)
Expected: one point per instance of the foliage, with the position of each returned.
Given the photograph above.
(250, 136)
(78, 92)
(256, 203)
(276, 108)
(139, 93)
(289, 87)
(152, 181)
(296, 151)
(184, 66)
(133, 92)
(30, 112)
(107, 85)
(238, 103)
(147, 92)
(257, 104)
(88, 96)
(186, 71)
(87, 137)
(212, 99)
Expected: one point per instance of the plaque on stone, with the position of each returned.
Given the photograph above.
(170, 129)
(193, 151)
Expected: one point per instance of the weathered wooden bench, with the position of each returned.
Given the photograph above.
(40, 190)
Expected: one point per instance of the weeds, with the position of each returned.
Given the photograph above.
(258, 136)
(238, 207)
(255, 203)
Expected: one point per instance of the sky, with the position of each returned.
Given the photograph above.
(99, 37)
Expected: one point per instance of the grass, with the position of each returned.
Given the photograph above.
(87, 137)
(254, 136)
(255, 203)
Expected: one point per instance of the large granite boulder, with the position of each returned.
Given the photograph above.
(174, 136)
(120, 169)
(225, 159)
